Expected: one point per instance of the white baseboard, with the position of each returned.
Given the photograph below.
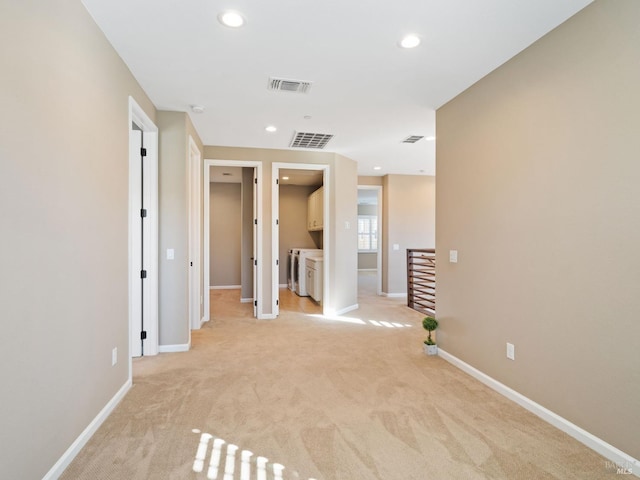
(225, 287)
(246, 300)
(184, 347)
(394, 295)
(267, 316)
(342, 311)
(68, 456)
(619, 458)
(367, 269)
(283, 285)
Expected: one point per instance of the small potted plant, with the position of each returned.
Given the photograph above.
(430, 324)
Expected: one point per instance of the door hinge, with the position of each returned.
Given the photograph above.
(143, 274)
(255, 303)
(143, 212)
(277, 183)
(255, 180)
(277, 262)
(277, 302)
(255, 262)
(277, 222)
(143, 152)
(143, 335)
(191, 264)
(255, 221)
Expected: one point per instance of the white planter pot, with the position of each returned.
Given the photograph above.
(430, 349)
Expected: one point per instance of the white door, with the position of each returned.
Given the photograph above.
(255, 242)
(135, 237)
(195, 294)
(143, 233)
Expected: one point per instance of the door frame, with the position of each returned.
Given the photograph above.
(257, 293)
(195, 201)
(150, 298)
(275, 236)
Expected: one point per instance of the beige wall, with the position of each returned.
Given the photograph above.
(538, 191)
(370, 180)
(343, 193)
(293, 222)
(344, 234)
(64, 244)
(408, 220)
(367, 261)
(225, 234)
(173, 170)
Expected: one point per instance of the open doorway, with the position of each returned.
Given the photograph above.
(369, 240)
(301, 218)
(232, 233)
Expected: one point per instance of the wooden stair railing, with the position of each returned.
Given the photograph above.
(421, 280)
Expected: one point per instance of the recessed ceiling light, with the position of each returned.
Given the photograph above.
(377, 168)
(197, 108)
(307, 117)
(231, 19)
(430, 139)
(271, 129)
(285, 178)
(410, 41)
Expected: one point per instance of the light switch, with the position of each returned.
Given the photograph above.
(347, 225)
(396, 246)
(170, 254)
(453, 256)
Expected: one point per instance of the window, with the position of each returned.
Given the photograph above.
(367, 233)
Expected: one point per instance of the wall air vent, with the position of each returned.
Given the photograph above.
(413, 138)
(310, 140)
(282, 84)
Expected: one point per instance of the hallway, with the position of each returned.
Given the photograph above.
(345, 398)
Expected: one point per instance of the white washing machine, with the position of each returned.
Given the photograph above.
(298, 273)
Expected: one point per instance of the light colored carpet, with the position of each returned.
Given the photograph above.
(351, 399)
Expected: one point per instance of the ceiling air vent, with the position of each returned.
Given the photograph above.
(413, 138)
(281, 84)
(310, 140)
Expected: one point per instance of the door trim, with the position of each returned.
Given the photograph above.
(138, 116)
(258, 295)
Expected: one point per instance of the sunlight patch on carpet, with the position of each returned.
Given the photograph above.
(216, 449)
(359, 321)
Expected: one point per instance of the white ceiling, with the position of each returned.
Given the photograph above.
(366, 91)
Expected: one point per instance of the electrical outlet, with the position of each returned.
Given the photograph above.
(453, 256)
(114, 356)
(511, 351)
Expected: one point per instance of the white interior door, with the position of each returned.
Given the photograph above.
(135, 242)
(255, 242)
(195, 293)
(143, 233)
